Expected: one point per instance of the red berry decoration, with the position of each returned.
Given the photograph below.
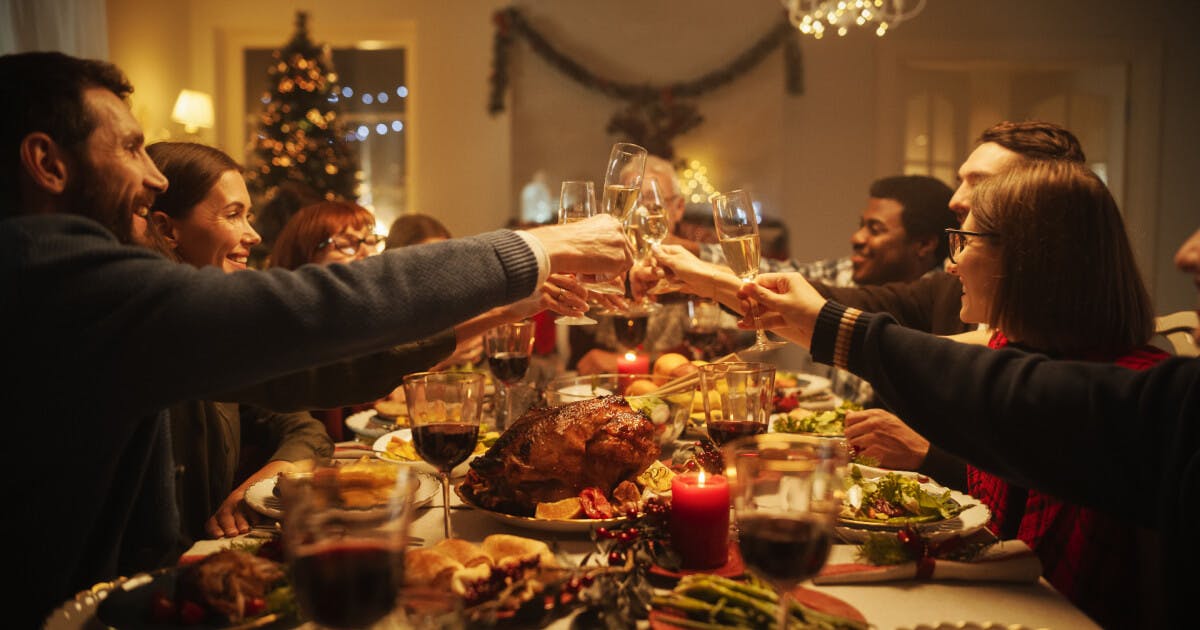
(191, 613)
(162, 609)
(254, 607)
(615, 558)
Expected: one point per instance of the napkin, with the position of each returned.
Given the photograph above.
(1006, 561)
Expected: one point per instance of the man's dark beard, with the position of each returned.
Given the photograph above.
(86, 195)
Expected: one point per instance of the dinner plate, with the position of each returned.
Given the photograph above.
(261, 497)
(127, 605)
(968, 625)
(776, 416)
(971, 519)
(380, 448)
(806, 384)
(557, 525)
(361, 423)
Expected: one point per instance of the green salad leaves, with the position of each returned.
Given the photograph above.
(894, 499)
(832, 422)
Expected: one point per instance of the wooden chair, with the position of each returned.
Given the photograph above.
(1178, 329)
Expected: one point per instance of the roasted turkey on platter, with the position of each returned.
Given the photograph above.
(553, 454)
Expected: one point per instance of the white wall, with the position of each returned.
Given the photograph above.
(808, 158)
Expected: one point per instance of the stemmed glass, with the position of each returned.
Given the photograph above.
(576, 202)
(622, 183)
(786, 490)
(646, 227)
(444, 409)
(738, 397)
(737, 231)
(507, 348)
(347, 559)
(702, 326)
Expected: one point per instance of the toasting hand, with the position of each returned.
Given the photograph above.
(595, 245)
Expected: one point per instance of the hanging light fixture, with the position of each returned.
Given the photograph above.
(816, 17)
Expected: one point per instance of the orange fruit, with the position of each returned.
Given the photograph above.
(667, 363)
(567, 508)
(640, 387)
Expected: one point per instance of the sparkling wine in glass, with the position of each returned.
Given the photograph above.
(737, 230)
(786, 490)
(507, 348)
(622, 184)
(576, 202)
(347, 561)
(738, 398)
(444, 409)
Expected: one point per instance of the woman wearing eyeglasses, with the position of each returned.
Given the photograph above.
(327, 232)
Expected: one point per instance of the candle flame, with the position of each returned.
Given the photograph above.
(629, 356)
(700, 478)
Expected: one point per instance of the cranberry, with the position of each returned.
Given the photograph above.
(162, 609)
(616, 558)
(191, 613)
(254, 607)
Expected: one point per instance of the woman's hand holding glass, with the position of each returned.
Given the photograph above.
(785, 302)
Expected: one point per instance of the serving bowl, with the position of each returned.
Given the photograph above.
(669, 412)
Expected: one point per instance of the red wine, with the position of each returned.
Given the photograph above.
(701, 338)
(630, 331)
(508, 367)
(723, 431)
(784, 549)
(445, 445)
(348, 585)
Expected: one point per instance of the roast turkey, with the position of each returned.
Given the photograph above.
(553, 454)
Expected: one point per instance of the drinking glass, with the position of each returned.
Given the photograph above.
(622, 183)
(786, 490)
(646, 228)
(347, 558)
(738, 398)
(702, 327)
(507, 348)
(576, 202)
(444, 409)
(737, 231)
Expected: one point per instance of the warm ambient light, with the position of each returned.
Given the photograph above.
(814, 17)
(194, 110)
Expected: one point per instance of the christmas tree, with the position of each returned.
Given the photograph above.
(301, 139)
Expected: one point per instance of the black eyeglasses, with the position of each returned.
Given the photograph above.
(349, 244)
(958, 240)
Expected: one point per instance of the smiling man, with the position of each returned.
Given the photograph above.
(900, 234)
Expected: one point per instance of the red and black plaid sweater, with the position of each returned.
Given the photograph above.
(1091, 558)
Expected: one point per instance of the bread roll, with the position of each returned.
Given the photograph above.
(467, 553)
(426, 567)
(506, 550)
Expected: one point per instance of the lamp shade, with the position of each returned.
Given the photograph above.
(194, 110)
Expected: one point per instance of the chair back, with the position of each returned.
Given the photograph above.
(1179, 330)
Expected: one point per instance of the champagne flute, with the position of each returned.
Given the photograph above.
(737, 231)
(622, 182)
(576, 202)
(646, 228)
(347, 559)
(738, 398)
(444, 409)
(508, 347)
(786, 490)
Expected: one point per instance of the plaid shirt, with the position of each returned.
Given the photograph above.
(1091, 558)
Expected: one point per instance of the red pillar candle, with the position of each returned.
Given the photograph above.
(633, 363)
(700, 520)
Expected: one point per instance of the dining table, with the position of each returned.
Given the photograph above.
(911, 604)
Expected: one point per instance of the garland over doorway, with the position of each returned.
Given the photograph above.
(654, 116)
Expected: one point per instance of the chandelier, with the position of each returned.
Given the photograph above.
(815, 17)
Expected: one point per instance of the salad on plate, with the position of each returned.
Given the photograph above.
(895, 499)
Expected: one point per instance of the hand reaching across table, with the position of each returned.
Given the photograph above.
(880, 435)
(230, 519)
(593, 245)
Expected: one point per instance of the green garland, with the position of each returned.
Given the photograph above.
(652, 113)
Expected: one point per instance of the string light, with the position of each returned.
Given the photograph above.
(694, 182)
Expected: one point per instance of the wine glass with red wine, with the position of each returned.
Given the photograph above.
(738, 398)
(347, 558)
(786, 491)
(507, 348)
(444, 409)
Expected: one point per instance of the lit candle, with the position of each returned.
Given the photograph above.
(700, 519)
(633, 363)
